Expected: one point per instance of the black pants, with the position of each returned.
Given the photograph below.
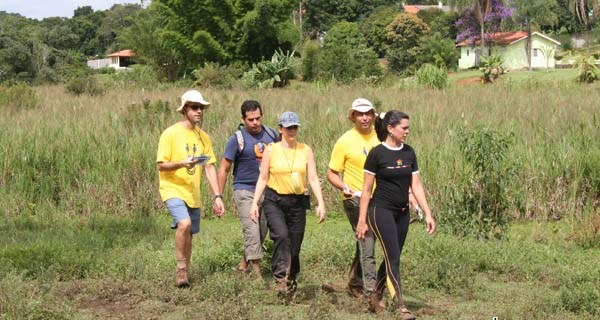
(390, 227)
(286, 218)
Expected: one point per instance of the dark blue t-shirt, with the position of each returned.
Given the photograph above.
(247, 162)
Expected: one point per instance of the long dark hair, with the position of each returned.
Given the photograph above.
(385, 119)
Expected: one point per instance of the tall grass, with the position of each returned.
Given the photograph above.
(86, 155)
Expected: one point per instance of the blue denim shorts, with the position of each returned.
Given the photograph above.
(179, 210)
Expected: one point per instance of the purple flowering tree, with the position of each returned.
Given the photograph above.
(481, 18)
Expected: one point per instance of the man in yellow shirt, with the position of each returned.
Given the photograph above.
(346, 172)
(182, 149)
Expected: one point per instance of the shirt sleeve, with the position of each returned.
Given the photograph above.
(164, 148)
(414, 166)
(338, 157)
(371, 162)
(208, 149)
(231, 148)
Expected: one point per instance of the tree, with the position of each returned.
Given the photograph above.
(403, 35)
(483, 11)
(586, 11)
(264, 29)
(321, 15)
(373, 27)
(345, 56)
(536, 12)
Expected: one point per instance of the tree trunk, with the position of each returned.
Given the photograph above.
(528, 44)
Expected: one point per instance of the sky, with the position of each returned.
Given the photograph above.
(39, 9)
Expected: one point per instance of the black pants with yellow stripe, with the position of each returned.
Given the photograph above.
(390, 227)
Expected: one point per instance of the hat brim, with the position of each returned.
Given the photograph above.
(287, 125)
(203, 102)
(359, 109)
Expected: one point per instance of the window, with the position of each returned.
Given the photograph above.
(467, 52)
(535, 52)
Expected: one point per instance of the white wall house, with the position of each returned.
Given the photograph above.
(511, 46)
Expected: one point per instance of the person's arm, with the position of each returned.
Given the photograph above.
(419, 194)
(211, 177)
(171, 166)
(224, 169)
(335, 179)
(315, 185)
(361, 226)
(261, 183)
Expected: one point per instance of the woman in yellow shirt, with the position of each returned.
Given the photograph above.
(284, 170)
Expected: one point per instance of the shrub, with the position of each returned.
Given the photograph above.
(140, 76)
(17, 97)
(580, 297)
(588, 72)
(432, 77)
(439, 51)
(213, 74)
(492, 68)
(276, 73)
(373, 28)
(84, 84)
(566, 43)
(480, 203)
(310, 60)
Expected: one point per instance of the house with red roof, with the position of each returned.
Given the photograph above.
(511, 46)
(414, 9)
(118, 60)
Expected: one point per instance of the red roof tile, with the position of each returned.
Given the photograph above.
(411, 9)
(123, 53)
(499, 38)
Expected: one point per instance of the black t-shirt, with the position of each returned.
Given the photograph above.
(393, 170)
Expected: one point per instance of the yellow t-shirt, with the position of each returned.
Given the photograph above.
(178, 143)
(349, 155)
(287, 169)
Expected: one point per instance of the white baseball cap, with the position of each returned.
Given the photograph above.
(360, 105)
(192, 96)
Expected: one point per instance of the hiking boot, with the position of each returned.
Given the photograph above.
(181, 277)
(355, 291)
(280, 286)
(376, 304)
(255, 266)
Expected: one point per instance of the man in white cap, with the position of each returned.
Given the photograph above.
(346, 172)
(183, 148)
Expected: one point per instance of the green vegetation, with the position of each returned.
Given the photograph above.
(431, 76)
(86, 236)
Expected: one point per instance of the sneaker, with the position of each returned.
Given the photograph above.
(181, 278)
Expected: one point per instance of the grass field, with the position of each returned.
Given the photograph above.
(84, 235)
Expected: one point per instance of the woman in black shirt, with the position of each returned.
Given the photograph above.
(392, 166)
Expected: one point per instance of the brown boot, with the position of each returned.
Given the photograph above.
(181, 277)
(255, 265)
(376, 303)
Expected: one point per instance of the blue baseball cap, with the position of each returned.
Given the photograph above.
(288, 119)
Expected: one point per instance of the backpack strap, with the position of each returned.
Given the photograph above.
(271, 132)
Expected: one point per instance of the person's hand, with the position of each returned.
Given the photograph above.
(361, 229)
(430, 224)
(254, 212)
(348, 193)
(218, 207)
(189, 162)
(320, 212)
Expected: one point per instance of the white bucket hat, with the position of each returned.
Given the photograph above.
(192, 96)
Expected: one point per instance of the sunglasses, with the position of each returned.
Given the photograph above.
(195, 107)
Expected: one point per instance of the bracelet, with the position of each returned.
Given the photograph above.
(217, 196)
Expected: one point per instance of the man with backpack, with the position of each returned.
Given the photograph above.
(244, 151)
